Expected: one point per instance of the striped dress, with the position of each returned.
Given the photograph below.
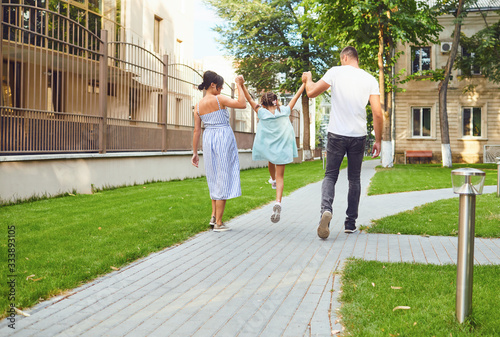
(220, 155)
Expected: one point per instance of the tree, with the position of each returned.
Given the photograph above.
(490, 62)
(486, 46)
(374, 27)
(443, 89)
(269, 39)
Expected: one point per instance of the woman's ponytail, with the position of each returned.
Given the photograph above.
(210, 77)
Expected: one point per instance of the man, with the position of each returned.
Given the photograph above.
(351, 89)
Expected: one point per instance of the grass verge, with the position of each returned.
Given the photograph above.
(441, 218)
(64, 242)
(419, 177)
(429, 290)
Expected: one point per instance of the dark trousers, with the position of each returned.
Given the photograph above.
(337, 147)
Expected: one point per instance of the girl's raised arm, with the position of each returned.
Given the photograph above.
(253, 104)
(296, 97)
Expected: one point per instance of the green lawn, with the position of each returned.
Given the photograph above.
(367, 297)
(439, 217)
(67, 241)
(419, 177)
(368, 301)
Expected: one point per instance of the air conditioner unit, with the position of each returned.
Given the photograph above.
(446, 47)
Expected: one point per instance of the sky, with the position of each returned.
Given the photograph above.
(204, 37)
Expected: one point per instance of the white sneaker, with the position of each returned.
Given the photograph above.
(275, 217)
(272, 182)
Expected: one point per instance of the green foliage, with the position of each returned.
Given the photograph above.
(269, 38)
(368, 301)
(426, 75)
(485, 44)
(359, 23)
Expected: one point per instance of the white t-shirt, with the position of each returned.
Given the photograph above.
(351, 89)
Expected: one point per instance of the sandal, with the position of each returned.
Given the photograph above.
(221, 228)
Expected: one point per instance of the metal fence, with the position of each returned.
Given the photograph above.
(67, 89)
(47, 62)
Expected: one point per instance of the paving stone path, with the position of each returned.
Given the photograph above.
(260, 279)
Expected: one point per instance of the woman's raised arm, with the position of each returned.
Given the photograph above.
(240, 103)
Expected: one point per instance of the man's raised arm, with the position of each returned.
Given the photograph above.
(314, 89)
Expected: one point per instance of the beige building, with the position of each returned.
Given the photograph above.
(473, 116)
(95, 75)
(97, 93)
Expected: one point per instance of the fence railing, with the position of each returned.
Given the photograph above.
(67, 89)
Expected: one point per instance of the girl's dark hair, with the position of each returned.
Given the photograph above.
(210, 77)
(268, 98)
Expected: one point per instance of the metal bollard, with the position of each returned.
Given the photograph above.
(467, 182)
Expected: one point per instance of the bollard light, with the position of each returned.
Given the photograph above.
(467, 182)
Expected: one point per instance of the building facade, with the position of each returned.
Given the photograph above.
(473, 104)
(96, 75)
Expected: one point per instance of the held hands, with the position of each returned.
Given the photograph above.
(306, 77)
(239, 80)
(195, 160)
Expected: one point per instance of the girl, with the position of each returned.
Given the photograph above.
(275, 138)
(220, 152)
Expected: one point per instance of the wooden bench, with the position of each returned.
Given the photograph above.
(417, 154)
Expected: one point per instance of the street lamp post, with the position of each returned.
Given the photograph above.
(467, 182)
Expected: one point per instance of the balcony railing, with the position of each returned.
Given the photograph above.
(67, 89)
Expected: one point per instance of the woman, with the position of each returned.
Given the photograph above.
(275, 139)
(220, 152)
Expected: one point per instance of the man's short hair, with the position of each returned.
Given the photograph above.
(351, 53)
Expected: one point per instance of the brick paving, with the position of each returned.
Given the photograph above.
(260, 279)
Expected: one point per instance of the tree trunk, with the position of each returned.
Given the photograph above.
(443, 90)
(386, 133)
(306, 143)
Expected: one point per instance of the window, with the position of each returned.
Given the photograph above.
(157, 34)
(471, 121)
(159, 117)
(96, 6)
(11, 78)
(420, 59)
(55, 93)
(421, 119)
(474, 69)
